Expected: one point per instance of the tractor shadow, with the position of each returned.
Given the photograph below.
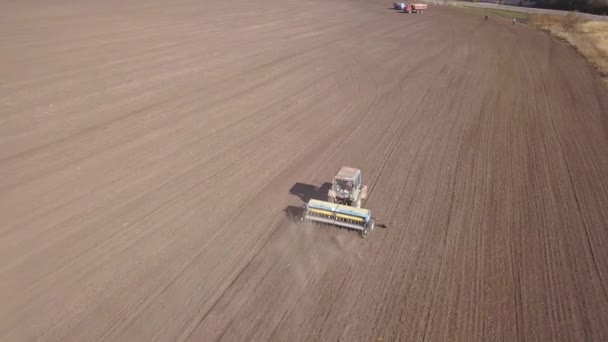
(306, 192)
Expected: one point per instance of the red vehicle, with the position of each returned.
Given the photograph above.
(414, 8)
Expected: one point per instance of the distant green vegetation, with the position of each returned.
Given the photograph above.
(587, 6)
(590, 6)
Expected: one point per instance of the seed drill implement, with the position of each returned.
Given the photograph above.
(343, 205)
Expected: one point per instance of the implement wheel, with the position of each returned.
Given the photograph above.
(368, 229)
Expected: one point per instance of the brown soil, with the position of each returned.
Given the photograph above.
(148, 149)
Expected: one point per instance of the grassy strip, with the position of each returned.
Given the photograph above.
(590, 38)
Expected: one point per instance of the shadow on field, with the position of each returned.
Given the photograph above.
(305, 192)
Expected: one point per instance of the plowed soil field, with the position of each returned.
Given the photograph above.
(151, 153)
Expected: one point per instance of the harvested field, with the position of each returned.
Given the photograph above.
(149, 152)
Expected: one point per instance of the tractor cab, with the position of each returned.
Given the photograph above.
(347, 188)
(347, 180)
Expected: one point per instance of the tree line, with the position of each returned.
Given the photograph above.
(588, 6)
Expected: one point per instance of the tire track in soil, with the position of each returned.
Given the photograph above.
(236, 215)
(282, 223)
(391, 141)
